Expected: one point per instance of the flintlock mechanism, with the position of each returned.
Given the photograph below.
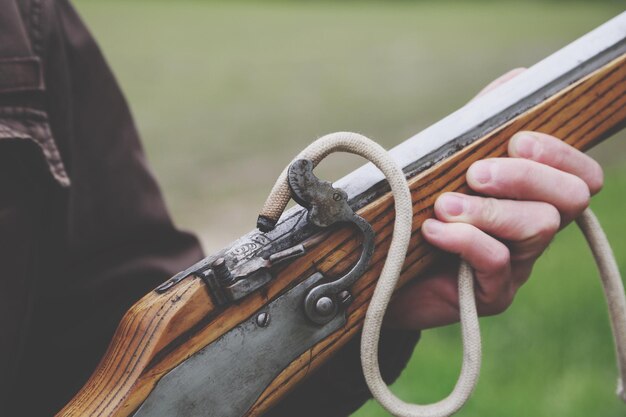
(326, 207)
(279, 333)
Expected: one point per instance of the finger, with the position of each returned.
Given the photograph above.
(499, 81)
(488, 257)
(523, 179)
(529, 226)
(485, 253)
(551, 151)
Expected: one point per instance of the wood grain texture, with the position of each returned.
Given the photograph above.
(162, 330)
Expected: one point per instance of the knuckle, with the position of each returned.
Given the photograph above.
(596, 180)
(580, 196)
(500, 258)
(489, 211)
(547, 225)
(522, 177)
(494, 293)
(489, 302)
(490, 298)
(498, 303)
(558, 153)
(551, 221)
(489, 294)
(464, 232)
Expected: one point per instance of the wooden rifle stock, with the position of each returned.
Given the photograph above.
(164, 329)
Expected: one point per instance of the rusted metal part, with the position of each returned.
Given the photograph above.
(223, 274)
(326, 207)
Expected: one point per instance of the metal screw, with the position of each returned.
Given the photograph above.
(324, 306)
(345, 298)
(221, 270)
(263, 319)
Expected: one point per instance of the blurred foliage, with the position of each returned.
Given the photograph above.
(225, 93)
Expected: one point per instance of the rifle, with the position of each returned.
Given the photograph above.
(247, 300)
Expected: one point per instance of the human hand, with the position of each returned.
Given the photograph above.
(523, 201)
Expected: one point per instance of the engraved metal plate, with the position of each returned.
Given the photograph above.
(225, 378)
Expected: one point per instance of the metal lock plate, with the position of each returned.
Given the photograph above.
(225, 378)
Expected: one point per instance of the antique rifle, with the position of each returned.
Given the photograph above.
(238, 317)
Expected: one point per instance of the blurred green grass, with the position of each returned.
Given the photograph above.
(225, 93)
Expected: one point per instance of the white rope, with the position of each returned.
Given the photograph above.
(613, 289)
(470, 369)
(360, 145)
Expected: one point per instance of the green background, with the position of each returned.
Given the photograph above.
(225, 93)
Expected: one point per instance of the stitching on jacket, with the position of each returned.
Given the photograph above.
(33, 125)
(36, 30)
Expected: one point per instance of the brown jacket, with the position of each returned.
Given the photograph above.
(84, 232)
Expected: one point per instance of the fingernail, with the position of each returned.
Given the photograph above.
(525, 145)
(431, 226)
(452, 204)
(480, 172)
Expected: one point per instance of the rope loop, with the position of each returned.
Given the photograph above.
(470, 330)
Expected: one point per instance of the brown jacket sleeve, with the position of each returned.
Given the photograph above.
(85, 232)
(19, 221)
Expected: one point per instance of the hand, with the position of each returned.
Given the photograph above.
(524, 200)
